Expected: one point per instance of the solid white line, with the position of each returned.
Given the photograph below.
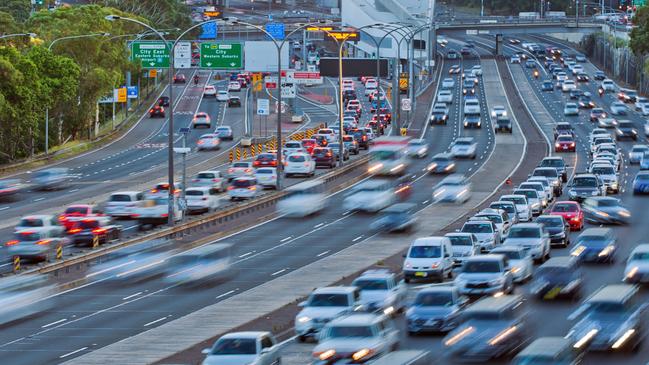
(53, 323)
(246, 254)
(38, 199)
(109, 269)
(73, 352)
(4, 208)
(225, 294)
(156, 321)
(132, 296)
(318, 225)
(357, 238)
(278, 272)
(286, 239)
(129, 228)
(322, 253)
(73, 190)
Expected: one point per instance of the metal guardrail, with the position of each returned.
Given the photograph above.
(502, 20)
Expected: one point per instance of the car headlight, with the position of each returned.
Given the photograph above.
(498, 281)
(304, 319)
(362, 354)
(594, 193)
(578, 251)
(325, 355)
(606, 251)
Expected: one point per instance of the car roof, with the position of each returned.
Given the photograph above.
(487, 257)
(560, 261)
(527, 225)
(399, 208)
(443, 155)
(600, 231)
(545, 347)
(469, 139)
(356, 319)
(643, 247)
(438, 289)
(246, 334)
(37, 216)
(376, 274)
(494, 303)
(428, 241)
(613, 293)
(335, 290)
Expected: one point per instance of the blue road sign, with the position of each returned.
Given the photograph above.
(209, 31)
(276, 30)
(131, 92)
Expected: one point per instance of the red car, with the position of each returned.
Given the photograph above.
(571, 212)
(157, 112)
(386, 112)
(565, 143)
(308, 144)
(265, 160)
(179, 79)
(75, 213)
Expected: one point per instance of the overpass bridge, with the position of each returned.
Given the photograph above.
(515, 25)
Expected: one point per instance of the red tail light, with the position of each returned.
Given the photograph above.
(43, 242)
(12, 242)
(154, 191)
(230, 187)
(201, 142)
(165, 215)
(99, 230)
(135, 215)
(74, 230)
(248, 170)
(256, 163)
(63, 218)
(252, 187)
(26, 233)
(572, 144)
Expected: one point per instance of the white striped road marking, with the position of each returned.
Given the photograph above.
(55, 322)
(286, 239)
(73, 352)
(132, 296)
(156, 321)
(226, 293)
(322, 253)
(278, 272)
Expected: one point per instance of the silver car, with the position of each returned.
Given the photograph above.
(485, 275)
(323, 305)
(435, 309)
(381, 291)
(244, 348)
(24, 295)
(463, 245)
(637, 266)
(532, 237)
(51, 179)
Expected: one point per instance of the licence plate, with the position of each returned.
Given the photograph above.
(565, 147)
(552, 293)
(421, 274)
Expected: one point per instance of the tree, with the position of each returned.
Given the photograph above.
(639, 41)
(162, 13)
(18, 9)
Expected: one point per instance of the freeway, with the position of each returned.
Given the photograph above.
(100, 315)
(547, 108)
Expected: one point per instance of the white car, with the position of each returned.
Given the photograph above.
(417, 148)
(546, 183)
(464, 147)
(210, 178)
(522, 206)
(209, 141)
(577, 69)
(533, 198)
(498, 111)
(640, 101)
(521, 264)
(448, 83)
(463, 245)
(328, 133)
(596, 133)
(244, 187)
(486, 232)
(222, 95)
(154, 211)
(471, 106)
(303, 199)
(201, 119)
(637, 266)
(476, 70)
(381, 290)
(291, 147)
(299, 163)
(532, 237)
(568, 85)
(234, 86)
(618, 108)
(370, 86)
(323, 305)
(607, 85)
(370, 196)
(636, 153)
(123, 203)
(45, 224)
(239, 169)
(445, 96)
(644, 109)
(645, 126)
(570, 109)
(258, 348)
(544, 194)
(209, 91)
(454, 188)
(266, 177)
(608, 175)
(515, 59)
(201, 199)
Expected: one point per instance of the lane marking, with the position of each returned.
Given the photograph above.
(55, 322)
(156, 321)
(38, 199)
(286, 239)
(246, 254)
(73, 352)
(322, 253)
(278, 272)
(4, 208)
(357, 238)
(73, 190)
(132, 296)
(318, 225)
(226, 293)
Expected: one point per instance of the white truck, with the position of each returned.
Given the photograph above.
(389, 156)
(154, 212)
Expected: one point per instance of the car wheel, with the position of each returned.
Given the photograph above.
(301, 339)
(406, 280)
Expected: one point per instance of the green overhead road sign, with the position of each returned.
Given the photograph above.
(150, 54)
(221, 56)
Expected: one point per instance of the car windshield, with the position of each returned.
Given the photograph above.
(481, 266)
(492, 217)
(506, 207)
(425, 252)
(641, 256)
(328, 300)
(587, 182)
(296, 158)
(434, 300)
(264, 171)
(222, 129)
(27, 236)
(528, 193)
(564, 139)
(552, 163)
(30, 222)
(194, 192)
(516, 200)
(550, 221)
(558, 273)
(463, 143)
(350, 331)
(603, 170)
(592, 239)
(205, 175)
(642, 177)
(240, 164)
(371, 284)
(524, 232)
(477, 228)
(545, 172)
(512, 255)
(242, 183)
(461, 240)
(235, 346)
(608, 203)
(565, 208)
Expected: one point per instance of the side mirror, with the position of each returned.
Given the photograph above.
(205, 351)
(302, 304)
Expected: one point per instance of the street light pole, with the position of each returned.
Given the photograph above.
(32, 35)
(47, 108)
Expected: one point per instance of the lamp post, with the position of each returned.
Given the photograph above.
(170, 130)
(47, 108)
(32, 35)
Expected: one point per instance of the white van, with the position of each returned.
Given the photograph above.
(123, 203)
(429, 258)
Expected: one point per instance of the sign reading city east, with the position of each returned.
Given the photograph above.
(227, 56)
(150, 54)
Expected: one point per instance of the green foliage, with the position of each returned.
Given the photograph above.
(640, 35)
(161, 13)
(508, 7)
(18, 9)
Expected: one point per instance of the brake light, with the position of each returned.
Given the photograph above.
(248, 170)
(99, 230)
(151, 111)
(154, 191)
(62, 218)
(230, 187)
(216, 180)
(12, 242)
(572, 144)
(364, 138)
(201, 142)
(256, 163)
(135, 215)
(43, 242)
(252, 187)
(165, 215)
(230, 170)
(27, 232)
(74, 230)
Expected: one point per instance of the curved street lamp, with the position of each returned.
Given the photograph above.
(32, 35)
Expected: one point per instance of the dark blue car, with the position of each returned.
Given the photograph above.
(641, 183)
(547, 85)
(595, 245)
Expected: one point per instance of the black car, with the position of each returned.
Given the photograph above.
(576, 93)
(503, 124)
(324, 156)
(163, 101)
(349, 95)
(361, 137)
(234, 102)
(472, 121)
(557, 228)
(563, 128)
(582, 77)
(597, 113)
(626, 130)
(599, 75)
(547, 85)
(157, 112)
(585, 102)
(90, 231)
(559, 277)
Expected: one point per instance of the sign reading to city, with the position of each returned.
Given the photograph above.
(221, 56)
(150, 54)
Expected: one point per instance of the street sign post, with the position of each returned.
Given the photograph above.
(122, 95)
(183, 55)
(131, 92)
(263, 107)
(288, 91)
(221, 56)
(150, 54)
(406, 105)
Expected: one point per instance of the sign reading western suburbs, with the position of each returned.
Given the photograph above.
(150, 54)
(227, 56)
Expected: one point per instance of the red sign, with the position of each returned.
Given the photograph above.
(271, 85)
(306, 75)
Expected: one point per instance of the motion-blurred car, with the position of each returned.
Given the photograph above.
(441, 163)
(641, 183)
(381, 292)
(562, 128)
(30, 245)
(549, 350)
(571, 213)
(240, 169)
(370, 196)
(224, 133)
(559, 277)
(493, 327)
(242, 188)
(266, 177)
(472, 121)
(455, 188)
(597, 113)
(201, 119)
(208, 264)
(605, 210)
(123, 203)
(445, 96)
(47, 225)
(234, 86)
(636, 153)
(612, 319)
(51, 179)
(417, 148)
(9, 188)
(618, 108)
(606, 122)
(299, 164)
(201, 199)
(595, 245)
(24, 296)
(243, 348)
(322, 306)
(570, 109)
(208, 142)
(222, 95)
(637, 265)
(485, 275)
(77, 212)
(464, 147)
(209, 91)
(608, 175)
(448, 83)
(95, 230)
(435, 309)
(154, 211)
(626, 130)
(395, 218)
(520, 261)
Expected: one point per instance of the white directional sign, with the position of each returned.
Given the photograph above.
(406, 105)
(263, 107)
(288, 91)
(183, 55)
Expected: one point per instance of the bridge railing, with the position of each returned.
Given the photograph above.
(460, 21)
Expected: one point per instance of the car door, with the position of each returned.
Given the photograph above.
(268, 353)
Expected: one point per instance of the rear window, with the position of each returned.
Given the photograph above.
(27, 236)
(293, 145)
(88, 224)
(29, 222)
(120, 198)
(76, 210)
(242, 183)
(195, 193)
(206, 175)
(294, 158)
(240, 164)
